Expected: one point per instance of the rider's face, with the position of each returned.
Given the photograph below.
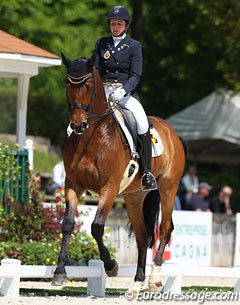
(117, 26)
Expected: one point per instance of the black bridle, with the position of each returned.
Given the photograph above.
(87, 108)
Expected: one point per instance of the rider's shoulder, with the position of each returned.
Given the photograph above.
(133, 42)
(103, 40)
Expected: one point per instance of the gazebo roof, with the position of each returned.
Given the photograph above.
(20, 59)
(12, 47)
(212, 128)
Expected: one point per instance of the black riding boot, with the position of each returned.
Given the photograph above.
(148, 180)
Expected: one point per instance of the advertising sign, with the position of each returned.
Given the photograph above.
(190, 242)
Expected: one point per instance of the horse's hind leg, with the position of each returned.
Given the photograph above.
(167, 203)
(60, 276)
(134, 204)
(97, 229)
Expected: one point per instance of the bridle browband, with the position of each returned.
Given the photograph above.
(87, 108)
(78, 80)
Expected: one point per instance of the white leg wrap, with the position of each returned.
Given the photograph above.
(154, 282)
(134, 289)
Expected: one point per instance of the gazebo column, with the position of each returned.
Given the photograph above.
(23, 86)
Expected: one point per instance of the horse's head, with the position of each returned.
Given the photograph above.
(80, 91)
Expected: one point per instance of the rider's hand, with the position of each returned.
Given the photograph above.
(117, 95)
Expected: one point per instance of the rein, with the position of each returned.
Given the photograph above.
(87, 108)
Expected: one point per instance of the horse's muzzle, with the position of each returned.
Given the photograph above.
(79, 129)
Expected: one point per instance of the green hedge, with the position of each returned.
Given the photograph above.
(32, 233)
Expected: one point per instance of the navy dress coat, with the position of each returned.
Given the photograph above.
(120, 64)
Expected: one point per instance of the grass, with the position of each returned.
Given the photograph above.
(80, 291)
(67, 291)
(44, 162)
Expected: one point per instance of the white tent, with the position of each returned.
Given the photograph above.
(20, 59)
(211, 128)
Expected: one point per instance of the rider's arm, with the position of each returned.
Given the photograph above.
(135, 66)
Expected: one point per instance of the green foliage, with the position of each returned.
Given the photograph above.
(10, 171)
(32, 233)
(8, 101)
(64, 25)
(189, 49)
(43, 161)
(30, 222)
(83, 248)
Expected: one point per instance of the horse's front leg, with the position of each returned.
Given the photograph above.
(97, 229)
(60, 275)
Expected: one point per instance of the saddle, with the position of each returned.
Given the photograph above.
(128, 126)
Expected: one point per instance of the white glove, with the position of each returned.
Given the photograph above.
(117, 95)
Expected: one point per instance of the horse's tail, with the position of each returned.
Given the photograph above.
(185, 147)
(151, 206)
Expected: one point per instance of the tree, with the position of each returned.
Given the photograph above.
(63, 25)
(137, 19)
(189, 49)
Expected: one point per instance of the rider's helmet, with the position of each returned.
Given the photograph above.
(119, 12)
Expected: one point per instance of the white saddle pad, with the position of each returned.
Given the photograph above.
(157, 145)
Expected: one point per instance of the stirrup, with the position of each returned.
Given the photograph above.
(148, 182)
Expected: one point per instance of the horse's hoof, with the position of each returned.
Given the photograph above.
(133, 291)
(114, 271)
(59, 279)
(155, 287)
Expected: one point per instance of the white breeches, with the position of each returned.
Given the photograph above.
(136, 108)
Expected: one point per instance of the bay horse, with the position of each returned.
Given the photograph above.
(95, 159)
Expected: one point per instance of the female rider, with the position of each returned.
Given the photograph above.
(119, 61)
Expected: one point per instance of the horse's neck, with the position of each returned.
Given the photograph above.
(100, 102)
(96, 136)
(98, 126)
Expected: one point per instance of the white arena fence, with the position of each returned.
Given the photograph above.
(11, 272)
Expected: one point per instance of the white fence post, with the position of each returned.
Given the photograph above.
(97, 286)
(30, 148)
(237, 286)
(9, 285)
(174, 284)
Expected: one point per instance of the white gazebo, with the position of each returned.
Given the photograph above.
(20, 59)
(211, 127)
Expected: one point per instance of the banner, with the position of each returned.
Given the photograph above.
(191, 240)
(237, 242)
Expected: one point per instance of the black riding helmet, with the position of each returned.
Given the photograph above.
(119, 12)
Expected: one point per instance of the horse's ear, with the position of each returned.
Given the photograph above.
(66, 61)
(91, 62)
